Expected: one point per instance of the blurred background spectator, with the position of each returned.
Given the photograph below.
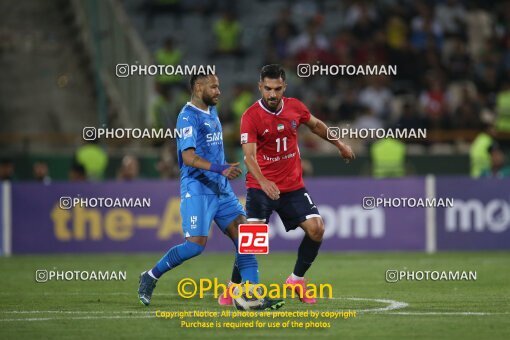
(479, 151)
(129, 169)
(168, 54)
(227, 31)
(77, 173)
(41, 172)
(6, 169)
(497, 167)
(93, 158)
(388, 158)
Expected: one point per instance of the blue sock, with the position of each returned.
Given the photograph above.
(248, 266)
(175, 256)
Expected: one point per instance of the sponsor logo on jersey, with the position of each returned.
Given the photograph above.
(211, 124)
(265, 131)
(194, 220)
(214, 137)
(293, 124)
(244, 138)
(280, 127)
(187, 132)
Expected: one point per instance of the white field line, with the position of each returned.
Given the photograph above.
(390, 309)
(449, 313)
(392, 304)
(84, 318)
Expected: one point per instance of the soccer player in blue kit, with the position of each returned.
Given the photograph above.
(206, 194)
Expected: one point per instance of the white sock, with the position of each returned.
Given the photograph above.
(297, 278)
(151, 275)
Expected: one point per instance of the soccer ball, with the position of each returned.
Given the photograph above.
(242, 301)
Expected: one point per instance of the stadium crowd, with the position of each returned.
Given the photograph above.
(453, 60)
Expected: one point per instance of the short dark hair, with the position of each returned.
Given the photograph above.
(194, 78)
(79, 168)
(272, 71)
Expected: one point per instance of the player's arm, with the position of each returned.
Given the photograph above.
(318, 127)
(250, 158)
(229, 170)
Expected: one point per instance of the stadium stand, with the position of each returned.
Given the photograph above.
(452, 57)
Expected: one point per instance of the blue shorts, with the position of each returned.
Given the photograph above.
(198, 212)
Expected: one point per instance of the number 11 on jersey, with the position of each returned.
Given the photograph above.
(284, 140)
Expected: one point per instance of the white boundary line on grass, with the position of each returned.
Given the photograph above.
(392, 304)
(390, 309)
(84, 318)
(449, 313)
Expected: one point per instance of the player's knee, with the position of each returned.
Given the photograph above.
(316, 231)
(193, 249)
(241, 219)
(233, 228)
(200, 240)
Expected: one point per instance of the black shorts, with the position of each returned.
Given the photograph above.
(294, 207)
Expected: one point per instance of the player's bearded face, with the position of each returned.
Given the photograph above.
(272, 92)
(211, 91)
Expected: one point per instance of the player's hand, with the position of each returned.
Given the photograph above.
(270, 189)
(233, 171)
(346, 153)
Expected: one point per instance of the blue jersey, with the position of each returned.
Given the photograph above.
(202, 131)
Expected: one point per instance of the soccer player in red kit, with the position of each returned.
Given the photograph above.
(275, 179)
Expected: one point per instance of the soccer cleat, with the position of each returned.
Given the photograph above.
(225, 299)
(270, 304)
(295, 286)
(147, 284)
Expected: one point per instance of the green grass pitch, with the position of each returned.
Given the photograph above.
(110, 309)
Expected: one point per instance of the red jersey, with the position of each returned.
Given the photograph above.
(277, 142)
